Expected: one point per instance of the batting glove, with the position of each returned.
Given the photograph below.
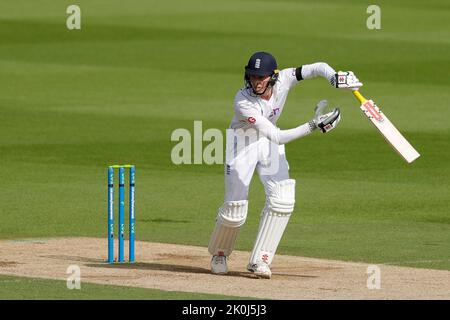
(325, 122)
(345, 80)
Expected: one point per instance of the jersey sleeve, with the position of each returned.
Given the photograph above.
(322, 69)
(288, 78)
(246, 112)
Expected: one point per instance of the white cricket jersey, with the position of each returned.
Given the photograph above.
(250, 109)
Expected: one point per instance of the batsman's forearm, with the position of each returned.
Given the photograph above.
(285, 136)
(317, 69)
(278, 136)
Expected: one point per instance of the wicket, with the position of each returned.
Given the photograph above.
(121, 224)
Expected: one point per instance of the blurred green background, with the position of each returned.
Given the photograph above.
(74, 102)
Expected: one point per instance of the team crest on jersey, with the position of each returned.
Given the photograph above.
(251, 119)
(274, 112)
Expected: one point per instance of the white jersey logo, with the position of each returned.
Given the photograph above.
(257, 63)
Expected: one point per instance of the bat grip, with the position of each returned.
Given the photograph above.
(359, 96)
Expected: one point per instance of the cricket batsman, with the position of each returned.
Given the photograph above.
(257, 107)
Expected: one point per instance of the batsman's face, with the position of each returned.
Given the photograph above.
(259, 83)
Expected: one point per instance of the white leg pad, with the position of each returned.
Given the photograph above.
(230, 218)
(274, 220)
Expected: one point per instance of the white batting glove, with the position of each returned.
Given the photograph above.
(345, 80)
(326, 122)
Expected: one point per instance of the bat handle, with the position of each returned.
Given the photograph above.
(359, 96)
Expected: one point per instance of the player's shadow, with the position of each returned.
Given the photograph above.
(165, 267)
(100, 263)
(187, 269)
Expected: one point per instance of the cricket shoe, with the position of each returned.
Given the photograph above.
(219, 264)
(261, 269)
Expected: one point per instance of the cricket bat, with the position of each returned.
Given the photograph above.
(387, 129)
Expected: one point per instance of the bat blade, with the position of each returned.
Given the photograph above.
(387, 129)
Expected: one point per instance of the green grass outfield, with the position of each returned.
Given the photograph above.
(19, 288)
(74, 102)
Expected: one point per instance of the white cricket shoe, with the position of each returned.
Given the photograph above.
(219, 264)
(261, 270)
